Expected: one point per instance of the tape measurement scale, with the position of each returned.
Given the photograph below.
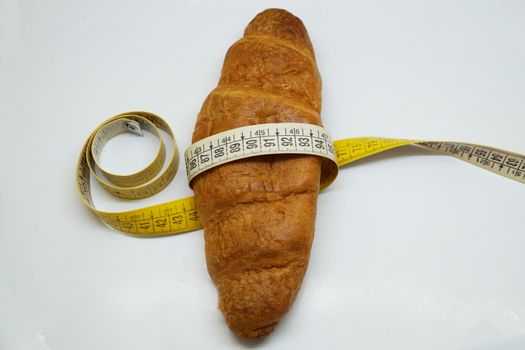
(180, 215)
(508, 164)
(263, 139)
(158, 220)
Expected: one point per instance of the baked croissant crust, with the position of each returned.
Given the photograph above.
(259, 213)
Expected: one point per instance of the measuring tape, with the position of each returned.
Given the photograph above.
(508, 164)
(263, 139)
(181, 215)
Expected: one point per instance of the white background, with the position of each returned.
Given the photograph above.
(412, 250)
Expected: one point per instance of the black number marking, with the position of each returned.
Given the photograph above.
(286, 141)
(161, 222)
(193, 163)
(480, 153)
(269, 142)
(144, 225)
(193, 216)
(496, 157)
(177, 219)
(251, 144)
(235, 147)
(127, 226)
(304, 141)
(218, 152)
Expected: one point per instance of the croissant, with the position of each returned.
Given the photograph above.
(259, 213)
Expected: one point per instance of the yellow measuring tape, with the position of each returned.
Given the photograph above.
(180, 215)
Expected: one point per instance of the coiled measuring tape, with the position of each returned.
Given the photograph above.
(181, 215)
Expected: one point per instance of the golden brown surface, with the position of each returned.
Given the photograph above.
(259, 213)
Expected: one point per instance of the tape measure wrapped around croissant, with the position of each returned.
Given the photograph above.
(258, 161)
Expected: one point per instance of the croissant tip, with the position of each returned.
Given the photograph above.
(276, 12)
(254, 334)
